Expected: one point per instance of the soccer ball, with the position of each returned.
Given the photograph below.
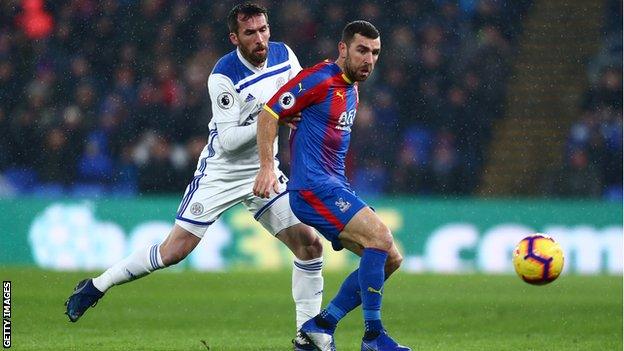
(538, 259)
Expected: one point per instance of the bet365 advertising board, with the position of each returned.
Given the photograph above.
(446, 236)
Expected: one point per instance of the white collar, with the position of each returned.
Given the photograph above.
(249, 65)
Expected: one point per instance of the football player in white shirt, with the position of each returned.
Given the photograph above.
(240, 83)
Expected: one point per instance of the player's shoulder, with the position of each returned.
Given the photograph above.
(323, 70)
(326, 66)
(278, 53)
(231, 67)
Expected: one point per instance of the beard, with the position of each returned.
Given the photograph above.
(256, 56)
(359, 73)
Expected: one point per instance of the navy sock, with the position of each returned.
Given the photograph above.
(345, 301)
(371, 278)
(348, 298)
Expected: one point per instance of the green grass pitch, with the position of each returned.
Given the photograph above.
(254, 311)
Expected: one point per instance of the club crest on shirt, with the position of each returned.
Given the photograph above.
(225, 100)
(197, 208)
(287, 100)
(343, 205)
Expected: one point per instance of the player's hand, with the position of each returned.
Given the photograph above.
(266, 181)
(291, 121)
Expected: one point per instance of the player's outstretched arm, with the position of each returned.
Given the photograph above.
(266, 180)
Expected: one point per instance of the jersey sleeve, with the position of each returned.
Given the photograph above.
(225, 101)
(233, 137)
(294, 63)
(306, 89)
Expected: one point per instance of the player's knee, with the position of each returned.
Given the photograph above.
(312, 249)
(171, 256)
(177, 245)
(393, 262)
(315, 250)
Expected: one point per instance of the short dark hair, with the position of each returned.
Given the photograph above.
(247, 10)
(361, 27)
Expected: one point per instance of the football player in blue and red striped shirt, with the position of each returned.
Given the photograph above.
(326, 95)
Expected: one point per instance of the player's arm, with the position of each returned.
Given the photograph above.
(291, 99)
(295, 67)
(234, 137)
(226, 115)
(266, 179)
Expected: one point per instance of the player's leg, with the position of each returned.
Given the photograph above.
(178, 244)
(316, 209)
(365, 285)
(342, 217)
(379, 258)
(392, 263)
(307, 281)
(346, 300)
(191, 223)
(302, 241)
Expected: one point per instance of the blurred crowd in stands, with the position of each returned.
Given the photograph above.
(593, 155)
(109, 97)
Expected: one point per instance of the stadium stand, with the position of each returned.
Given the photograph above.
(97, 96)
(593, 155)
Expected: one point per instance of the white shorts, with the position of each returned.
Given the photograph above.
(205, 200)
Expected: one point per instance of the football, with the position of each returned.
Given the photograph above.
(538, 259)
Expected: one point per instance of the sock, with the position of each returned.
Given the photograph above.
(346, 300)
(307, 288)
(137, 265)
(371, 277)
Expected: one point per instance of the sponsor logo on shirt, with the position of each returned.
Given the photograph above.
(345, 121)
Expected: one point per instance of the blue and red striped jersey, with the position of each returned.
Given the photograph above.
(327, 100)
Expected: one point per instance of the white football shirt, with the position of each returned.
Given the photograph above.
(238, 90)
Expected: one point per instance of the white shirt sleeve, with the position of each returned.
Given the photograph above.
(295, 66)
(225, 101)
(233, 137)
(226, 115)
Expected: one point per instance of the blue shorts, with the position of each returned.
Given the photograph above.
(327, 210)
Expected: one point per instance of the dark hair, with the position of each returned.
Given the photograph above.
(247, 10)
(359, 27)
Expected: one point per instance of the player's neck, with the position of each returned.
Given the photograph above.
(341, 63)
